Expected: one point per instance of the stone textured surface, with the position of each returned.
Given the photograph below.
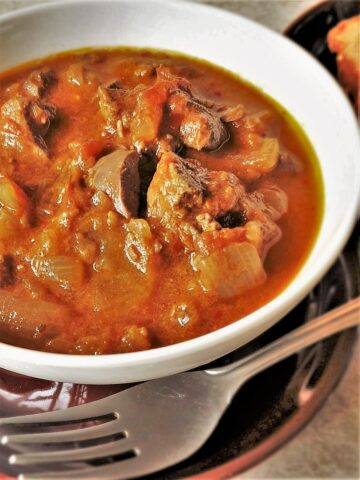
(328, 447)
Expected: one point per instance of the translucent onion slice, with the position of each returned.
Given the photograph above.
(64, 270)
(13, 197)
(30, 320)
(231, 270)
(264, 158)
(275, 200)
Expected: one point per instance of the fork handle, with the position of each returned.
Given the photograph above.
(342, 318)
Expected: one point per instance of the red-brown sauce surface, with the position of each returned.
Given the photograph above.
(62, 243)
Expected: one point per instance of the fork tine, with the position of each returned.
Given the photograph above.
(127, 469)
(61, 456)
(76, 435)
(121, 470)
(90, 411)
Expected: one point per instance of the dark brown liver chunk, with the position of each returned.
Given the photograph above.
(117, 175)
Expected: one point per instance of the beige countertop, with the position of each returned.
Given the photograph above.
(328, 447)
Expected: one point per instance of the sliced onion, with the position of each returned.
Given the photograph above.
(13, 197)
(14, 208)
(275, 200)
(263, 235)
(231, 114)
(30, 320)
(264, 158)
(65, 270)
(231, 270)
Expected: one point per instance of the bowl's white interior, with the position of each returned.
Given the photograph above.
(269, 61)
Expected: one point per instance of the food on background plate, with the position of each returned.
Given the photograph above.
(146, 198)
(344, 40)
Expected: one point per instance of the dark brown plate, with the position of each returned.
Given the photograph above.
(275, 405)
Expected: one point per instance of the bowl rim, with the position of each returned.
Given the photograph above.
(281, 303)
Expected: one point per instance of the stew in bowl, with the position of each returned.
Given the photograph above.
(105, 284)
(146, 198)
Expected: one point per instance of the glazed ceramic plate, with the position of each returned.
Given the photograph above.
(268, 60)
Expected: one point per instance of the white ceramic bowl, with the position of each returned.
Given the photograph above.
(268, 60)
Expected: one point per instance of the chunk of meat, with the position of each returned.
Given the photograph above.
(207, 223)
(177, 187)
(134, 114)
(7, 271)
(223, 194)
(209, 241)
(252, 221)
(24, 124)
(64, 197)
(263, 208)
(232, 219)
(145, 115)
(168, 143)
(15, 133)
(209, 210)
(187, 200)
(38, 82)
(200, 128)
(117, 175)
(182, 188)
(260, 231)
(230, 271)
(86, 344)
(199, 124)
(145, 123)
(110, 101)
(39, 117)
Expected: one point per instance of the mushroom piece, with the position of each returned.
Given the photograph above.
(117, 175)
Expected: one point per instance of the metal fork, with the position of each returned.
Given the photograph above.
(161, 422)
